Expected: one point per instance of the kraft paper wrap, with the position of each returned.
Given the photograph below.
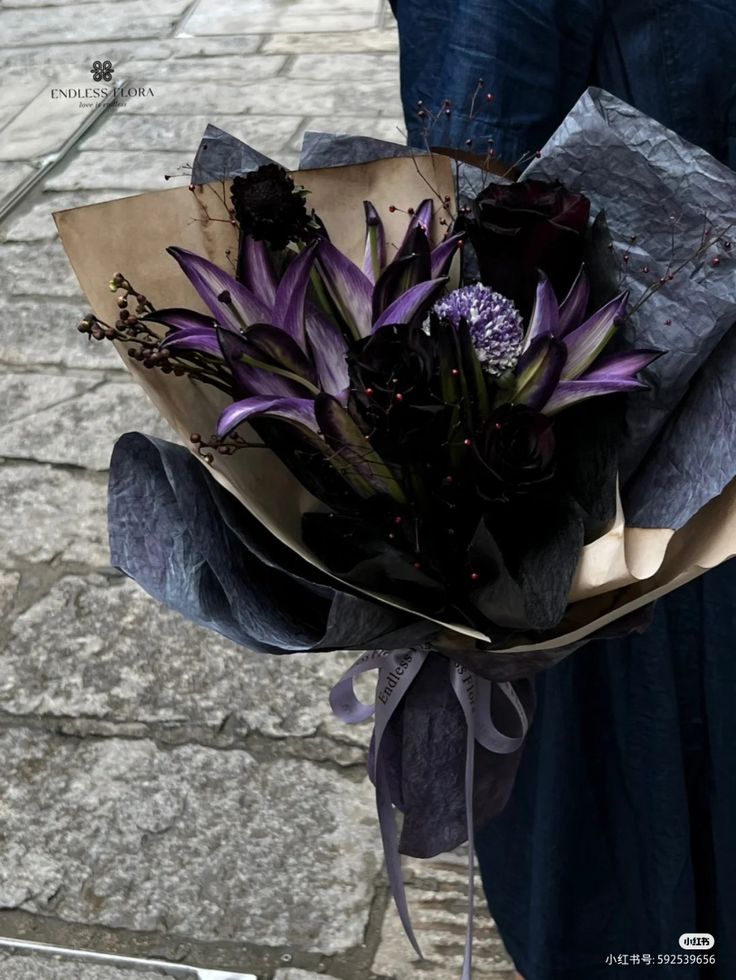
(623, 570)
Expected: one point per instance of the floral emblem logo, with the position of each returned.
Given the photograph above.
(102, 71)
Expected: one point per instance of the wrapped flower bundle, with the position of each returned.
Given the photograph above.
(464, 475)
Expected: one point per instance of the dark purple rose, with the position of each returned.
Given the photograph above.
(516, 453)
(518, 229)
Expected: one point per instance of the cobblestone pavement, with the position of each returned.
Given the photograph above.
(154, 802)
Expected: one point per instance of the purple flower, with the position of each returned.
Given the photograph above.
(563, 360)
(286, 340)
(496, 327)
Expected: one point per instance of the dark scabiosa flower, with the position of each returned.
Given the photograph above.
(517, 229)
(270, 208)
(495, 325)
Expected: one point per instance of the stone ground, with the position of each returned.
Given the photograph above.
(152, 802)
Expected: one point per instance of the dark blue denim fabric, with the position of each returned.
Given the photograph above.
(620, 834)
(621, 830)
(673, 59)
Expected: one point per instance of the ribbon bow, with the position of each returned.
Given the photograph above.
(396, 671)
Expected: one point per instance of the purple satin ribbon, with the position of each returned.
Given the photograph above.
(396, 671)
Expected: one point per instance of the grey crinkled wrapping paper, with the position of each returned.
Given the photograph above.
(221, 156)
(199, 551)
(643, 175)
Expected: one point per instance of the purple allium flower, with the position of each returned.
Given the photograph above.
(496, 327)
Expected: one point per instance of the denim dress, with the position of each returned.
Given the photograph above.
(620, 835)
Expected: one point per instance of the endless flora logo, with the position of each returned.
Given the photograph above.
(92, 98)
(102, 71)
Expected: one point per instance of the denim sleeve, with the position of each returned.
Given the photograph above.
(672, 59)
(535, 57)
(675, 61)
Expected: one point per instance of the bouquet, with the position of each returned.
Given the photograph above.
(455, 421)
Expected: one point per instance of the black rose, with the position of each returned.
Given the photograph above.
(518, 229)
(270, 208)
(516, 453)
(393, 384)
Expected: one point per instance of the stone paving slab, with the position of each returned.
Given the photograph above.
(19, 397)
(12, 176)
(329, 43)
(35, 223)
(43, 270)
(31, 335)
(95, 21)
(352, 97)
(191, 840)
(183, 133)
(52, 515)
(374, 67)
(129, 170)
(9, 582)
(99, 647)
(16, 92)
(37, 966)
(436, 891)
(53, 56)
(77, 429)
(48, 121)
(264, 17)
(240, 68)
